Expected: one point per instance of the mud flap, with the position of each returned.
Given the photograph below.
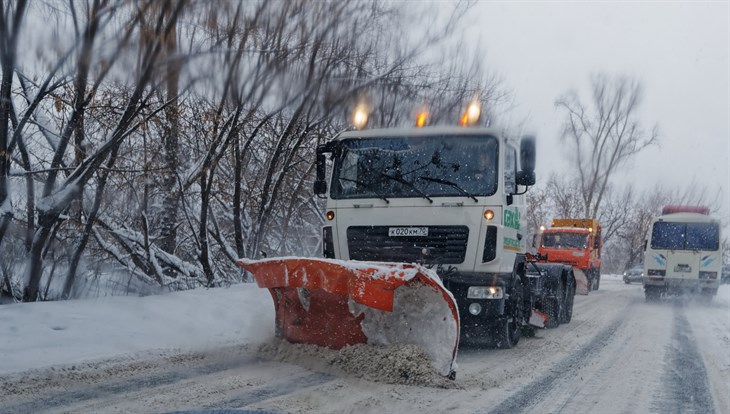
(538, 318)
(337, 303)
(581, 282)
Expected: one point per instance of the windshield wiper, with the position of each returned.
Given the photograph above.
(408, 184)
(450, 183)
(366, 185)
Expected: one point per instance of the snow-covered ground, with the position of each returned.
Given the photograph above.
(41, 334)
(200, 350)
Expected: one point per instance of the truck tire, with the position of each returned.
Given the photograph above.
(507, 332)
(567, 314)
(554, 306)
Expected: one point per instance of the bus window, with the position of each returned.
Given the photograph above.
(685, 236)
(702, 236)
(667, 236)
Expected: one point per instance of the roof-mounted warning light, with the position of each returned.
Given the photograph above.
(686, 209)
(422, 118)
(471, 114)
(360, 116)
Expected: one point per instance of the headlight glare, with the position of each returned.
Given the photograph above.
(484, 292)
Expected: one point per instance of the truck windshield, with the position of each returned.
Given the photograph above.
(433, 166)
(565, 240)
(667, 235)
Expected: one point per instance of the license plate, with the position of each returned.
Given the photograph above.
(407, 231)
(682, 268)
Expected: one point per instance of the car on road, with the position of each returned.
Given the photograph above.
(635, 274)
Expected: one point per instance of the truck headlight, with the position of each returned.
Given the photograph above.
(484, 292)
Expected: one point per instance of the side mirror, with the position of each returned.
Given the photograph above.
(526, 177)
(527, 153)
(320, 183)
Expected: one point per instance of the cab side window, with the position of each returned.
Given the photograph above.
(510, 171)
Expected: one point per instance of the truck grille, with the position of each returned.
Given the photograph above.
(445, 244)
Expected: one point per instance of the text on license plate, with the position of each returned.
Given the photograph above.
(407, 231)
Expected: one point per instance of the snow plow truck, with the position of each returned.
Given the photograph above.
(574, 242)
(423, 244)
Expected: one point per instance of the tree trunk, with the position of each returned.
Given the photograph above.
(205, 186)
(168, 226)
(237, 176)
(71, 276)
(8, 40)
(35, 259)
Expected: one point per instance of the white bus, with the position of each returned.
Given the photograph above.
(683, 253)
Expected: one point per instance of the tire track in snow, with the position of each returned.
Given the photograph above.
(268, 392)
(539, 389)
(686, 385)
(111, 389)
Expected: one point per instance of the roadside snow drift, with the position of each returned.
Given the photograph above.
(36, 335)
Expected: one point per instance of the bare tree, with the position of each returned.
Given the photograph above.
(603, 135)
(564, 194)
(58, 196)
(202, 152)
(11, 19)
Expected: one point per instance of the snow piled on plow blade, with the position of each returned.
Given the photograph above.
(337, 303)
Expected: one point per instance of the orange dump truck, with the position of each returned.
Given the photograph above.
(576, 242)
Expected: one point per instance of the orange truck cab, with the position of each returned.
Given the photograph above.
(576, 242)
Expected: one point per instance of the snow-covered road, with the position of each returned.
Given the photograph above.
(618, 355)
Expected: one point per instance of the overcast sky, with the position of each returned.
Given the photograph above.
(679, 50)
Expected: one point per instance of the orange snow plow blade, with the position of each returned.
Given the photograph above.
(337, 303)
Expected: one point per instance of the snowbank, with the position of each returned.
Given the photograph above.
(36, 335)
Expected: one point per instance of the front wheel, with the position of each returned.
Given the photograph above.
(507, 332)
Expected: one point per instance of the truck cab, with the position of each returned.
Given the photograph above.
(576, 242)
(445, 197)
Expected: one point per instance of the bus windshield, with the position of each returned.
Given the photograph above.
(430, 166)
(685, 236)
